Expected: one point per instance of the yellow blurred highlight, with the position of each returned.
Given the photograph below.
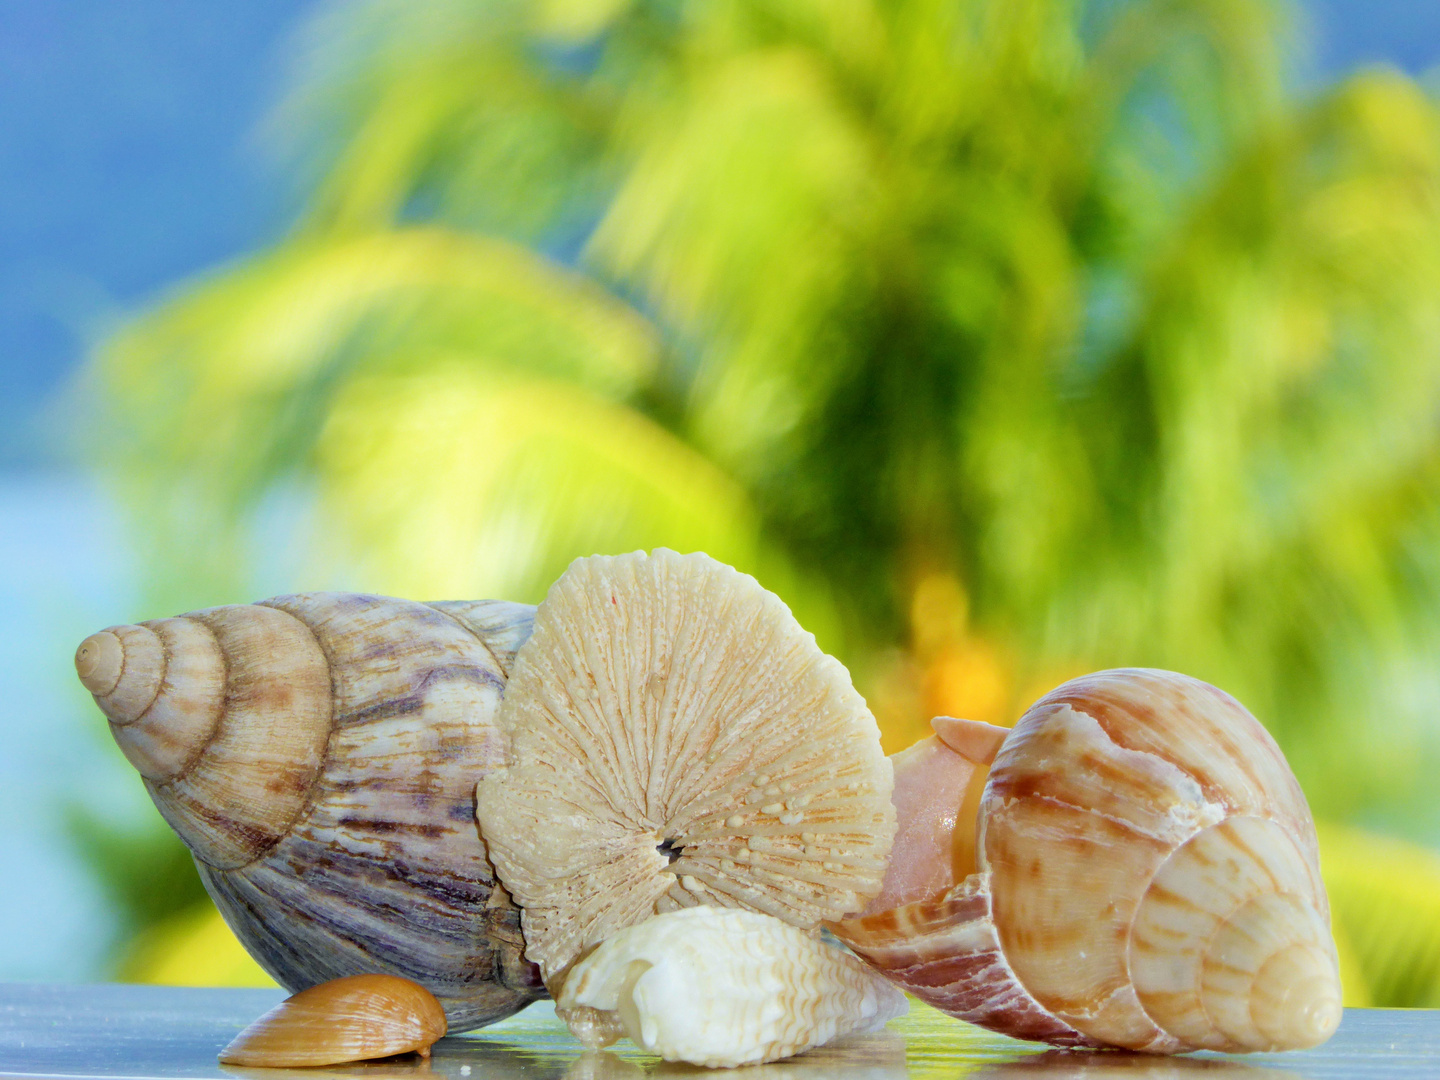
(969, 679)
(194, 948)
(1385, 905)
(949, 670)
(939, 613)
(964, 675)
(1354, 988)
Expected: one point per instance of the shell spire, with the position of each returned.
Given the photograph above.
(225, 713)
(1146, 876)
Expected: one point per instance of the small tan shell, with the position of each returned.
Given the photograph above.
(318, 754)
(719, 988)
(351, 1019)
(674, 738)
(1148, 877)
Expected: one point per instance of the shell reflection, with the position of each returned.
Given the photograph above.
(1105, 1063)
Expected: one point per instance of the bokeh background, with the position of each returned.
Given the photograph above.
(1005, 339)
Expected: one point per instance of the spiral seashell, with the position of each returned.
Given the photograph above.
(318, 754)
(1146, 876)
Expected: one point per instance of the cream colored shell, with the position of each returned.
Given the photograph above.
(674, 738)
(355, 1018)
(724, 987)
(1148, 878)
(318, 755)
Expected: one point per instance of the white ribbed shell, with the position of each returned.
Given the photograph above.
(719, 988)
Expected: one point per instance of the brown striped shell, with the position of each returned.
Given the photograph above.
(318, 755)
(1146, 876)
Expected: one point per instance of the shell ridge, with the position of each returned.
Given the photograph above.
(475, 634)
(124, 635)
(87, 676)
(175, 797)
(575, 650)
(159, 682)
(168, 736)
(1198, 979)
(219, 707)
(312, 791)
(603, 666)
(706, 633)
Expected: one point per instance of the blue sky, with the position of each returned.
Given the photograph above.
(128, 159)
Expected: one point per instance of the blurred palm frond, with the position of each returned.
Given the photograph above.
(1073, 315)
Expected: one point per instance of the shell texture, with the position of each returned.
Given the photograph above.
(1148, 877)
(318, 754)
(351, 1019)
(676, 739)
(728, 987)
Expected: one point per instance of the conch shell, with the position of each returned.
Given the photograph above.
(1145, 875)
(318, 755)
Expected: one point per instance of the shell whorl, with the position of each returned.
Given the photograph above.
(225, 712)
(1229, 948)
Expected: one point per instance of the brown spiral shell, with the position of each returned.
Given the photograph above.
(1148, 877)
(318, 754)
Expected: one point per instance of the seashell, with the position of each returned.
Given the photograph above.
(318, 754)
(351, 1019)
(1146, 876)
(719, 987)
(673, 738)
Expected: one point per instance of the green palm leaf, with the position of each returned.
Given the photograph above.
(222, 392)
(465, 482)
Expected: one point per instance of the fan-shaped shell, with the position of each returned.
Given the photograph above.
(318, 754)
(675, 739)
(1148, 878)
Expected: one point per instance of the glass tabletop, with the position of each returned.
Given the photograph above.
(145, 1032)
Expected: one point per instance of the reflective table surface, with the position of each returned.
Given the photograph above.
(158, 1031)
